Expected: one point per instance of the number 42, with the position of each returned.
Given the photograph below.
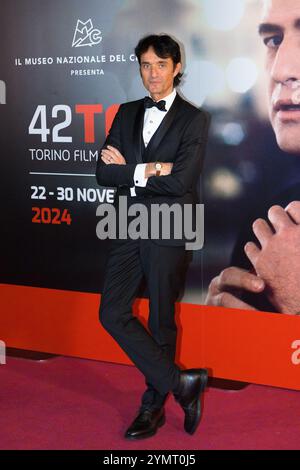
(42, 130)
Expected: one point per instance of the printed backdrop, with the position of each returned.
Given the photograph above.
(65, 66)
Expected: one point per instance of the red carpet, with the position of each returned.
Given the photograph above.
(67, 403)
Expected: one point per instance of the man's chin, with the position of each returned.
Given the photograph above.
(289, 146)
(154, 89)
(288, 139)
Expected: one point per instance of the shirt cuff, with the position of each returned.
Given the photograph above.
(132, 192)
(139, 175)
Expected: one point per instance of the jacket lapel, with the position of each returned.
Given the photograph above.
(162, 130)
(138, 133)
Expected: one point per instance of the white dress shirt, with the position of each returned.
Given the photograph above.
(152, 120)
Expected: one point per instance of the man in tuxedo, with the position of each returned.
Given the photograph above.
(267, 276)
(153, 155)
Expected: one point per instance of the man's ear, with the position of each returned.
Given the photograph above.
(177, 69)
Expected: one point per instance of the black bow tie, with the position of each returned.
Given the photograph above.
(149, 103)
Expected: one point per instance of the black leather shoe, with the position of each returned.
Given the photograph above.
(192, 383)
(146, 424)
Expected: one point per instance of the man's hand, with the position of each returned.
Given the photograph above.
(165, 170)
(277, 260)
(111, 155)
(225, 290)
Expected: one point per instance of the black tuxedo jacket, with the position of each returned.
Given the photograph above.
(181, 139)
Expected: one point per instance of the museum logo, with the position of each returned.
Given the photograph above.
(85, 34)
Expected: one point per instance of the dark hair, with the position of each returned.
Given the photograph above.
(164, 46)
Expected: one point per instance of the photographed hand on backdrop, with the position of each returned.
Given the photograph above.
(277, 259)
(226, 290)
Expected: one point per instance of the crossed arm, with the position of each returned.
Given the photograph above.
(178, 175)
(111, 155)
(112, 168)
(276, 265)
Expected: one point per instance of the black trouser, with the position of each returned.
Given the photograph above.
(164, 268)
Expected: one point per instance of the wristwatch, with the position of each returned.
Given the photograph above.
(158, 168)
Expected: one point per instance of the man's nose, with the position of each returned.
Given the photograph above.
(287, 62)
(153, 71)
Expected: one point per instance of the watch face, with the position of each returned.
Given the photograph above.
(158, 166)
